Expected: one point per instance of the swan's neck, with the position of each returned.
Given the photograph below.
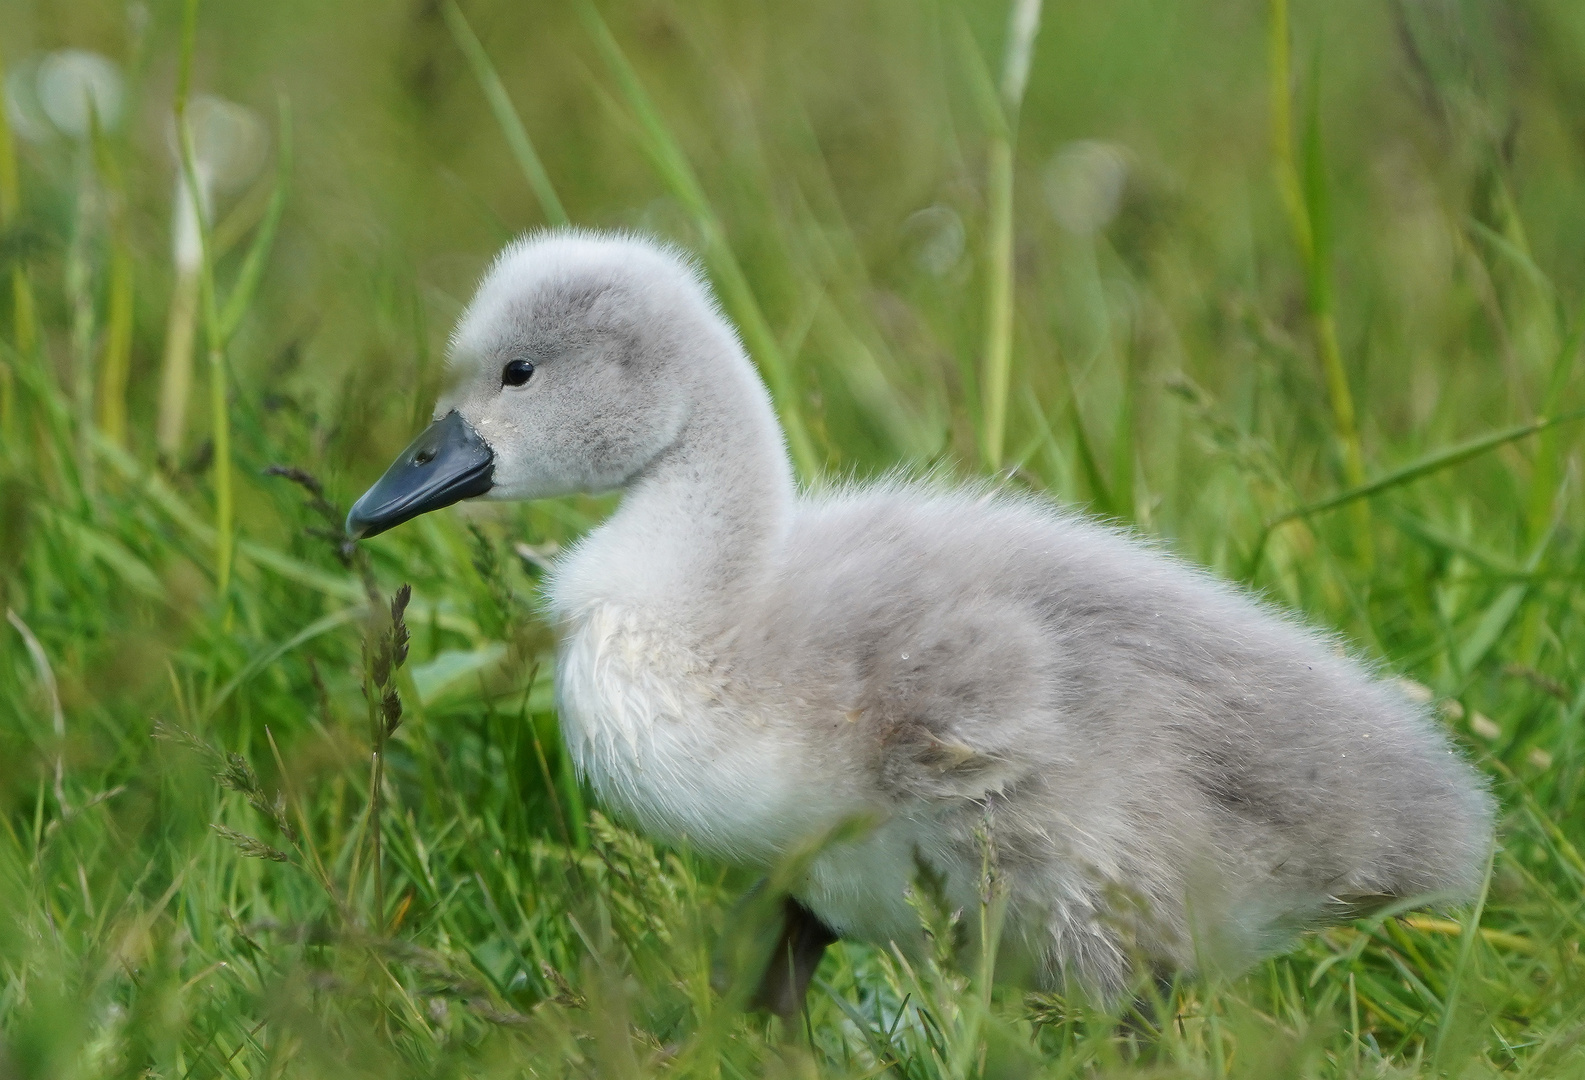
(699, 524)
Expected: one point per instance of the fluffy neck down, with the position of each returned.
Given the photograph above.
(701, 521)
(649, 716)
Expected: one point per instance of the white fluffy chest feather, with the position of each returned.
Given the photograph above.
(655, 729)
(665, 739)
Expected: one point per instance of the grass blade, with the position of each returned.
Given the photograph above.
(247, 282)
(176, 366)
(1099, 489)
(219, 409)
(1500, 614)
(1466, 948)
(666, 154)
(1000, 108)
(1303, 187)
(220, 421)
(1415, 470)
(115, 355)
(115, 360)
(24, 335)
(517, 139)
(1543, 478)
(1425, 466)
(1123, 499)
(324, 624)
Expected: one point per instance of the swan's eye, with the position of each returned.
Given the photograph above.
(516, 373)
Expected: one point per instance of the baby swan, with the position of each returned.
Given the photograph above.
(1171, 772)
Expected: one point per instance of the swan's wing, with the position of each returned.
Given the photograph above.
(963, 700)
(924, 764)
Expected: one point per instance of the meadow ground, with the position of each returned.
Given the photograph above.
(1294, 288)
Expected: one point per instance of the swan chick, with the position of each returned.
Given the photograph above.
(1172, 773)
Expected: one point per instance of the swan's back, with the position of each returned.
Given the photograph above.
(1136, 718)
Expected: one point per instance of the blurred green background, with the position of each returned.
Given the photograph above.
(1254, 257)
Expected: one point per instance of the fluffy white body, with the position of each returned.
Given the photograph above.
(657, 730)
(1172, 772)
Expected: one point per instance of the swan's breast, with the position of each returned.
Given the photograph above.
(662, 736)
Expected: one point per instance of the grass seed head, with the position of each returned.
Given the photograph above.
(251, 846)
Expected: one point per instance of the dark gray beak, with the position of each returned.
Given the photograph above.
(445, 464)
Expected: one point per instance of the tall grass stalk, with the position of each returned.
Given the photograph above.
(1304, 196)
(115, 357)
(46, 677)
(220, 432)
(176, 366)
(1550, 453)
(10, 204)
(246, 284)
(993, 900)
(1023, 25)
(668, 158)
(1466, 950)
(222, 319)
(384, 653)
(23, 319)
(78, 288)
(517, 139)
(1427, 465)
(220, 415)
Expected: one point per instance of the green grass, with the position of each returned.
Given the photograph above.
(1316, 348)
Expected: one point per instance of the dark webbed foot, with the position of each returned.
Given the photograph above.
(798, 950)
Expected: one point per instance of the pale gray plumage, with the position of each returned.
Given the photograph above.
(1172, 771)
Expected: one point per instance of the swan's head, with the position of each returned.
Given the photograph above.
(572, 368)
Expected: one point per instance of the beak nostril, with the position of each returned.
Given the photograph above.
(446, 464)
